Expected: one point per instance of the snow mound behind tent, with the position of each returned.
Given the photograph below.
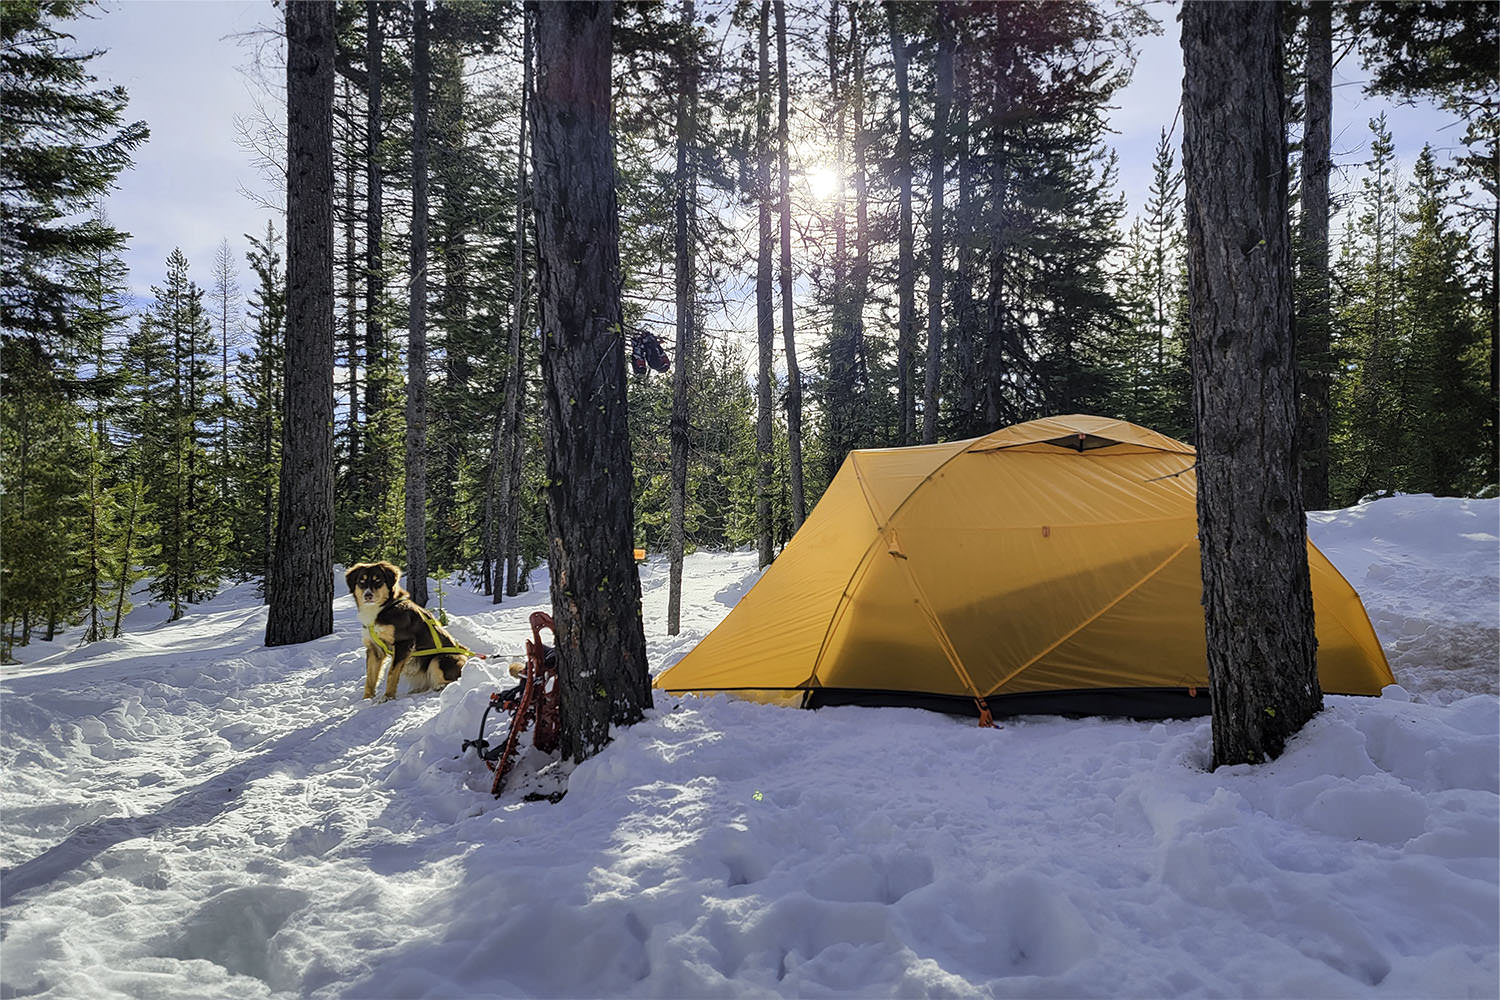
(1427, 572)
(188, 814)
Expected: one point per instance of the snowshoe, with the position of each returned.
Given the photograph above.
(535, 702)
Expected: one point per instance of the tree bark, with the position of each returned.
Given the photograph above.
(943, 99)
(1251, 526)
(456, 221)
(596, 592)
(509, 444)
(1493, 460)
(965, 313)
(684, 220)
(793, 372)
(374, 247)
(996, 408)
(416, 357)
(300, 585)
(765, 323)
(839, 394)
(351, 283)
(515, 567)
(906, 278)
(859, 270)
(1314, 322)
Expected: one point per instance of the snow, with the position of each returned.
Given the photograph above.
(189, 814)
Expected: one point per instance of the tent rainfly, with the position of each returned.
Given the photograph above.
(1048, 567)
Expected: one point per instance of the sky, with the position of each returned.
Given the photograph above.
(186, 65)
(180, 63)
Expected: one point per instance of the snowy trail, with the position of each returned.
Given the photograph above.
(188, 814)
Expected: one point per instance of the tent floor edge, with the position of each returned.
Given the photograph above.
(1128, 703)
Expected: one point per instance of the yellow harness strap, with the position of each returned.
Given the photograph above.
(437, 646)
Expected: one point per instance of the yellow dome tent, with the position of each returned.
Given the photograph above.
(1047, 567)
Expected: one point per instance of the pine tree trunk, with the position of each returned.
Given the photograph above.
(1314, 321)
(489, 528)
(793, 373)
(1251, 527)
(765, 323)
(268, 498)
(224, 281)
(300, 585)
(95, 630)
(515, 568)
(509, 419)
(351, 289)
(996, 408)
(416, 357)
(965, 314)
(685, 185)
(596, 592)
(859, 270)
(839, 394)
(943, 99)
(906, 278)
(457, 221)
(1492, 462)
(175, 557)
(373, 483)
(127, 556)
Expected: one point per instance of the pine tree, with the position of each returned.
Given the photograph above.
(507, 448)
(1314, 320)
(43, 437)
(1443, 323)
(1447, 52)
(687, 349)
(793, 395)
(1155, 356)
(1371, 408)
(226, 303)
(300, 584)
(65, 142)
(416, 356)
(942, 103)
(765, 323)
(101, 317)
(595, 587)
(1257, 594)
(176, 416)
(257, 424)
(906, 278)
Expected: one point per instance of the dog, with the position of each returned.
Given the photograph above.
(397, 625)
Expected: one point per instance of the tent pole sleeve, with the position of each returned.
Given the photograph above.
(1085, 623)
(893, 545)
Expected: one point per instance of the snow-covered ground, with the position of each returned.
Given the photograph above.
(189, 814)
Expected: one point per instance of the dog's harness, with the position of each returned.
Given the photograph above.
(437, 645)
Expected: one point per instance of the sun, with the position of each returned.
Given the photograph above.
(822, 182)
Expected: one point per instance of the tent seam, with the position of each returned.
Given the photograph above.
(1093, 617)
(935, 623)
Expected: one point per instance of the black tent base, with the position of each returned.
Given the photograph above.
(1128, 703)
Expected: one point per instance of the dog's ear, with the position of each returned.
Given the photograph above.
(392, 575)
(349, 576)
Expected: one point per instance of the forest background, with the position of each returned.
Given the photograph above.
(140, 427)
